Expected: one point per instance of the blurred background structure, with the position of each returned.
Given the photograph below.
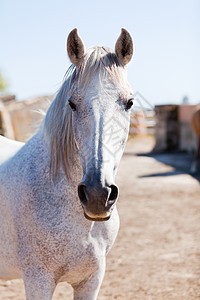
(169, 124)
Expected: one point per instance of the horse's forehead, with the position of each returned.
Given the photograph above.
(105, 95)
(101, 85)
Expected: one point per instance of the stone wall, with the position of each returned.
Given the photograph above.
(166, 129)
(173, 128)
(19, 120)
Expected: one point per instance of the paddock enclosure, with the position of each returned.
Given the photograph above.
(157, 252)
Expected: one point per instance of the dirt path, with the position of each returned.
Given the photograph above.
(157, 252)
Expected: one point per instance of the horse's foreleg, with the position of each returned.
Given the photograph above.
(38, 285)
(89, 288)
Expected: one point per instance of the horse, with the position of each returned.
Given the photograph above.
(58, 193)
(195, 123)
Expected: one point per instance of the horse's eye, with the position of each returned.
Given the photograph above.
(72, 105)
(129, 104)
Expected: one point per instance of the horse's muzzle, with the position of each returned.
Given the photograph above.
(97, 200)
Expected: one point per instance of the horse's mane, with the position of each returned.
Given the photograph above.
(58, 121)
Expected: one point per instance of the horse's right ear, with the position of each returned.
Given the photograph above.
(75, 47)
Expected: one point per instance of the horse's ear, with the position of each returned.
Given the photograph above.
(75, 47)
(124, 47)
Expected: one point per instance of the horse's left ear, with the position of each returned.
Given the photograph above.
(75, 47)
(124, 47)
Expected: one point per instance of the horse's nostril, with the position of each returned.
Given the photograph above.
(81, 193)
(114, 193)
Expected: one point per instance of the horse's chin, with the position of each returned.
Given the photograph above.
(96, 219)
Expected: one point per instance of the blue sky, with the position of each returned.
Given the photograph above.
(166, 65)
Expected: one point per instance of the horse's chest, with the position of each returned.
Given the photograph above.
(72, 255)
(70, 248)
(81, 262)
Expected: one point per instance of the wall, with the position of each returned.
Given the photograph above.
(173, 128)
(20, 120)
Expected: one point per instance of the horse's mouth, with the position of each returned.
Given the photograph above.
(96, 219)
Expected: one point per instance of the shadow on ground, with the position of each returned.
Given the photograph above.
(181, 162)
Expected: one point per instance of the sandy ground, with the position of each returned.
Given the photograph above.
(157, 253)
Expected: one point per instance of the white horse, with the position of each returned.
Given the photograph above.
(62, 181)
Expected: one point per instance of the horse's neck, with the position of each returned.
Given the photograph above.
(31, 166)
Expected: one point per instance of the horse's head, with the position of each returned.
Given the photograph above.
(100, 104)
